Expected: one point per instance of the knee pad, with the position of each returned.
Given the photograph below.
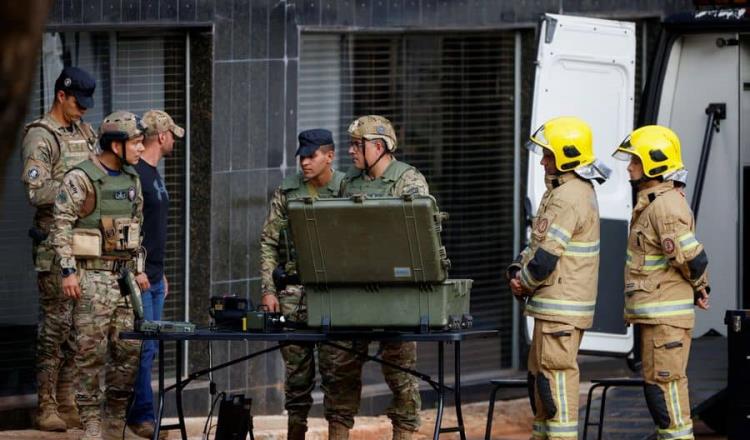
(657, 405)
(545, 394)
(530, 385)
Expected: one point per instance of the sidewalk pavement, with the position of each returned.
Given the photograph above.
(512, 421)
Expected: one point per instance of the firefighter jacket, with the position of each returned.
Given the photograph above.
(665, 263)
(560, 267)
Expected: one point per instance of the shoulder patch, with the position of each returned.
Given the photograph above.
(73, 187)
(667, 245)
(542, 225)
(131, 193)
(33, 173)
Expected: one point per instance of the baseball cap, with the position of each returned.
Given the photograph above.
(158, 121)
(311, 140)
(79, 83)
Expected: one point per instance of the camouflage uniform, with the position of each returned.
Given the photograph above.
(275, 249)
(49, 150)
(101, 313)
(343, 383)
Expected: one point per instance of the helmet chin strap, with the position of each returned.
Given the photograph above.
(123, 156)
(368, 167)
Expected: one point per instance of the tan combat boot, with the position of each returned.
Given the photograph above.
(92, 430)
(296, 431)
(48, 419)
(337, 431)
(113, 430)
(146, 430)
(66, 406)
(402, 434)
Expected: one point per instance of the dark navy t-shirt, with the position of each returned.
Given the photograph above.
(155, 209)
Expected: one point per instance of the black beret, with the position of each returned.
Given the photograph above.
(311, 140)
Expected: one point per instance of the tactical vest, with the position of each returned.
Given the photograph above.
(114, 215)
(294, 187)
(74, 146)
(655, 291)
(357, 182)
(568, 294)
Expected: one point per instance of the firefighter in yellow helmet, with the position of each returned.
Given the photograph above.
(558, 272)
(665, 274)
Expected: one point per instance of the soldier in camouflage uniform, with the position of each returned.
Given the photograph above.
(51, 146)
(376, 173)
(97, 234)
(280, 283)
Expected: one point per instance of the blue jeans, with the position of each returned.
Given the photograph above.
(143, 398)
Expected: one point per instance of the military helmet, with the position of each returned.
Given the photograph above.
(568, 138)
(121, 126)
(374, 127)
(656, 146)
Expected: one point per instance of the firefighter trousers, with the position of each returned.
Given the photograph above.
(665, 350)
(553, 380)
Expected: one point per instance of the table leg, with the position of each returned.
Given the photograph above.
(178, 391)
(457, 388)
(160, 410)
(440, 391)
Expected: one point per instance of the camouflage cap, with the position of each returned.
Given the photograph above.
(121, 124)
(158, 121)
(374, 127)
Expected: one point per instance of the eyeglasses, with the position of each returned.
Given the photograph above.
(357, 144)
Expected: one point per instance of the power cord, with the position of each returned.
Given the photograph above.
(207, 426)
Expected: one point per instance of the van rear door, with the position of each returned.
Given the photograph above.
(586, 68)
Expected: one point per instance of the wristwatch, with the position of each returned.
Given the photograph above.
(67, 271)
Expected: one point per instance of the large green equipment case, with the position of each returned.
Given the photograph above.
(376, 263)
(368, 240)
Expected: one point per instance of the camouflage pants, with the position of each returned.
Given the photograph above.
(299, 360)
(341, 374)
(55, 346)
(99, 316)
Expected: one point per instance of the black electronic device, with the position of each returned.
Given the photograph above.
(235, 420)
(263, 321)
(228, 311)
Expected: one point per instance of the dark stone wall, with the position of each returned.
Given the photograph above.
(244, 90)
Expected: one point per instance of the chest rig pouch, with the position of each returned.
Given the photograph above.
(120, 234)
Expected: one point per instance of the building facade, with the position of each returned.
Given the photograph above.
(244, 77)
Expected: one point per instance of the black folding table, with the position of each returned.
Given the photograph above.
(330, 338)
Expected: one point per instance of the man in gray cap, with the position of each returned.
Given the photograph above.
(52, 145)
(161, 132)
(279, 279)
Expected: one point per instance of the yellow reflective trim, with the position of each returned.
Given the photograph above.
(528, 280)
(582, 249)
(562, 242)
(559, 228)
(686, 236)
(660, 309)
(562, 397)
(565, 301)
(691, 245)
(664, 303)
(675, 396)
